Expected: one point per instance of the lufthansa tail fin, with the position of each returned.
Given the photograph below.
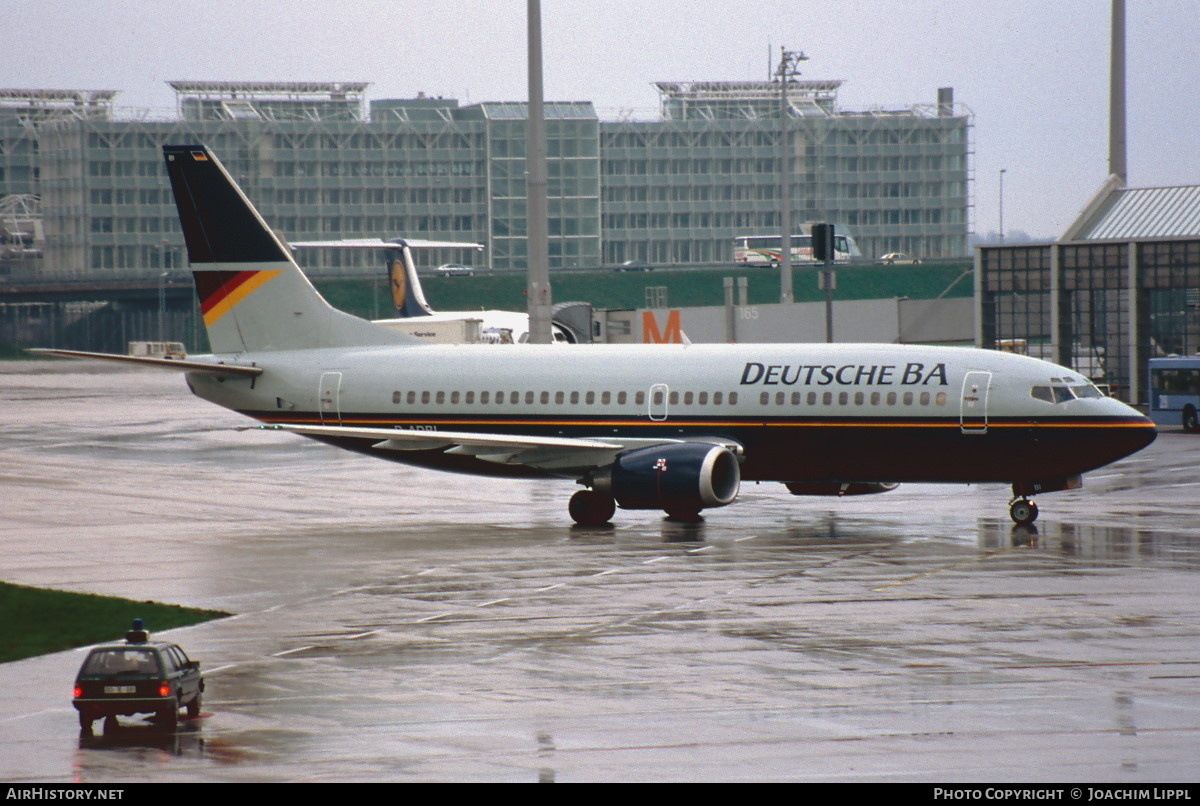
(407, 294)
(252, 294)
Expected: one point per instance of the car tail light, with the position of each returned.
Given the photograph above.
(163, 689)
(77, 692)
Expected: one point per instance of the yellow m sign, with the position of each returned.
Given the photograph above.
(671, 334)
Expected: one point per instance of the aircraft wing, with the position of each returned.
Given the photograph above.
(176, 364)
(545, 453)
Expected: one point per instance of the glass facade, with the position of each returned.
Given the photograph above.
(321, 164)
(1102, 309)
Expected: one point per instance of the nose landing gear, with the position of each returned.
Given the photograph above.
(1022, 511)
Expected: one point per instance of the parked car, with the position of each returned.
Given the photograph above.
(453, 269)
(138, 676)
(897, 257)
(634, 265)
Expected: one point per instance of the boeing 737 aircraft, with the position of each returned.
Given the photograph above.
(658, 427)
(498, 327)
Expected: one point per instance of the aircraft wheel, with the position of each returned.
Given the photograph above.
(1023, 512)
(590, 508)
(1191, 421)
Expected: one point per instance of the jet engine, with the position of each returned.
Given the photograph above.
(681, 478)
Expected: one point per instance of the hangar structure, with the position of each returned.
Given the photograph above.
(1121, 286)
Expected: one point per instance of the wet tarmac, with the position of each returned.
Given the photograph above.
(395, 624)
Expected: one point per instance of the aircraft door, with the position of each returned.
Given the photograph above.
(972, 413)
(657, 402)
(329, 398)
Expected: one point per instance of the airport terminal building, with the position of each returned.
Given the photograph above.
(1121, 286)
(321, 162)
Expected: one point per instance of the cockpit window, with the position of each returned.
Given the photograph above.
(1060, 394)
(1086, 390)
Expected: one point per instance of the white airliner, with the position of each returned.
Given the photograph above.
(498, 327)
(667, 427)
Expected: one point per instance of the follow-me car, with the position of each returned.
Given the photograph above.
(667, 427)
(138, 676)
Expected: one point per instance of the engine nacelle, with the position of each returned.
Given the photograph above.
(678, 477)
(840, 489)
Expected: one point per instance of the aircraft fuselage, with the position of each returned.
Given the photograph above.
(813, 413)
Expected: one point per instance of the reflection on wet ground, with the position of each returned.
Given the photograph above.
(397, 624)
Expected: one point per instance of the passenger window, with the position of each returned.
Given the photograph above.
(395, 397)
(764, 398)
(827, 399)
(558, 398)
(875, 398)
(718, 397)
(639, 399)
(795, 398)
(484, 397)
(621, 398)
(908, 398)
(454, 396)
(574, 398)
(545, 397)
(470, 397)
(687, 398)
(733, 398)
(891, 398)
(529, 398)
(858, 398)
(412, 397)
(589, 398)
(674, 398)
(425, 397)
(441, 398)
(702, 398)
(940, 399)
(924, 398)
(780, 397)
(843, 398)
(812, 398)
(605, 398)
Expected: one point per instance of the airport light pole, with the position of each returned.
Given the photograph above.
(537, 289)
(1002, 171)
(789, 68)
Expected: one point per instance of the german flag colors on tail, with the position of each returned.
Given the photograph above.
(219, 291)
(252, 294)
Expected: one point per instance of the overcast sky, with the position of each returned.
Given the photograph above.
(1034, 73)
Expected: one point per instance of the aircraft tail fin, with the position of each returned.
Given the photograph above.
(252, 294)
(407, 294)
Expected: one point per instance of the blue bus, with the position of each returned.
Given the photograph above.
(1175, 392)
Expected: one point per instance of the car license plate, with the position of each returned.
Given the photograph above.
(119, 689)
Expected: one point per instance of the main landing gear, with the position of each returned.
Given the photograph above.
(1022, 511)
(590, 508)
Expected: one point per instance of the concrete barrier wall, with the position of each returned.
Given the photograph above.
(875, 321)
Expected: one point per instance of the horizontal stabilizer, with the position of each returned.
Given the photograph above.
(177, 365)
(382, 243)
